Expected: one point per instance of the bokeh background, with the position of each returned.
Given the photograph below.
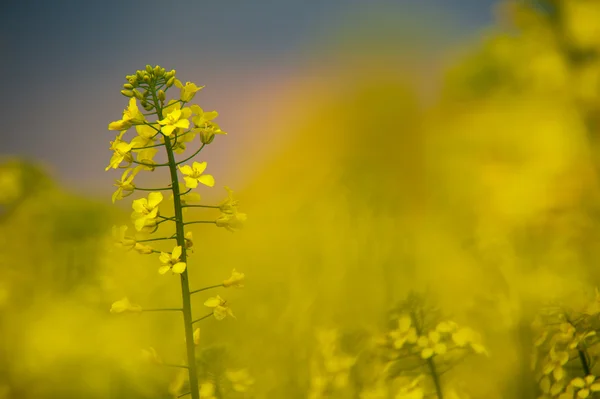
(445, 147)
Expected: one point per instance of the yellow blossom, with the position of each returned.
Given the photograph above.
(121, 151)
(143, 249)
(189, 240)
(431, 345)
(146, 158)
(219, 306)
(124, 185)
(555, 362)
(465, 336)
(151, 356)
(404, 333)
(235, 280)
(175, 119)
(197, 336)
(188, 91)
(231, 221)
(240, 380)
(121, 239)
(172, 261)
(412, 390)
(207, 390)
(194, 175)
(585, 386)
(131, 116)
(146, 210)
(123, 305)
(146, 136)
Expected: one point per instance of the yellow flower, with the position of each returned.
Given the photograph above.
(194, 175)
(146, 210)
(143, 249)
(171, 261)
(121, 151)
(146, 157)
(123, 305)
(189, 240)
(175, 119)
(240, 379)
(465, 336)
(554, 364)
(235, 280)
(404, 333)
(229, 205)
(125, 184)
(552, 389)
(231, 221)
(197, 336)
(431, 345)
(131, 116)
(219, 306)
(585, 386)
(146, 136)
(207, 390)
(188, 91)
(151, 356)
(121, 239)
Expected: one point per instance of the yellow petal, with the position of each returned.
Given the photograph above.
(179, 267)
(176, 252)
(186, 169)
(199, 167)
(207, 180)
(164, 269)
(213, 302)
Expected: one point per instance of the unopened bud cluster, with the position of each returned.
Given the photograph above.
(139, 83)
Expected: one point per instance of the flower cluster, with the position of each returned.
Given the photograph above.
(172, 126)
(565, 351)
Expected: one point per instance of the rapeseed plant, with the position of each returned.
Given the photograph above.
(172, 132)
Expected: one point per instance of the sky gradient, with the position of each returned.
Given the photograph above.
(65, 62)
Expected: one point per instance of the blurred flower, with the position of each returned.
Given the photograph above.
(123, 305)
(235, 280)
(219, 306)
(585, 386)
(121, 239)
(125, 184)
(412, 390)
(554, 363)
(207, 390)
(466, 336)
(240, 380)
(151, 356)
(197, 336)
(146, 209)
(404, 333)
(431, 345)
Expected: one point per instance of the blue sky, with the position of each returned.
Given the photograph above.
(65, 60)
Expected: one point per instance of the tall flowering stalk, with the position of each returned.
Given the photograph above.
(172, 132)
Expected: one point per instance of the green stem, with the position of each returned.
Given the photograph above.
(206, 288)
(202, 206)
(200, 221)
(185, 287)
(430, 363)
(202, 318)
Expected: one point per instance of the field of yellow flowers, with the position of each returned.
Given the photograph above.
(394, 248)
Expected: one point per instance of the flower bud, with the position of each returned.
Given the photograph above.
(147, 78)
(171, 81)
(139, 75)
(206, 136)
(161, 95)
(159, 72)
(149, 69)
(133, 80)
(137, 94)
(127, 93)
(173, 72)
(128, 86)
